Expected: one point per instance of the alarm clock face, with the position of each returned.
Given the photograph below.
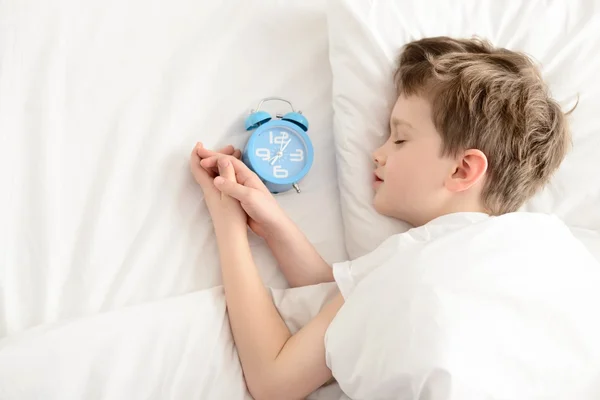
(280, 154)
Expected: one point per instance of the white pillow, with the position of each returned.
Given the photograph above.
(365, 39)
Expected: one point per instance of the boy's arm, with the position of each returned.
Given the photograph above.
(276, 364)
(297, 257)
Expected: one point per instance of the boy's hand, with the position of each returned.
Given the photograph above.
(223, 209)
(265, 215)
(201, 152)
(297, 257)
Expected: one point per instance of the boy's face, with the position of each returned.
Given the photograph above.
(409, 170)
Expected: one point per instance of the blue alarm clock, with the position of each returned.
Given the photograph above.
(279, 151)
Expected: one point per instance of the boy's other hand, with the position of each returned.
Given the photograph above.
(264, 214)
(223, 208)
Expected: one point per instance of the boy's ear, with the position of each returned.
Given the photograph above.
(469, 169)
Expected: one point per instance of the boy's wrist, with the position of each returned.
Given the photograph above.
(280, 229)
(225, 227)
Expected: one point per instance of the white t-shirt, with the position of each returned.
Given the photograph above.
(470, 307)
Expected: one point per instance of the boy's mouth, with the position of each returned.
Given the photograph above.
(376, 180)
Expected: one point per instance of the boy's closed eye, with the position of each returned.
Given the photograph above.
(399, 141)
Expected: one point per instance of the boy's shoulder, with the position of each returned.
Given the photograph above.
(478, 238)
(472, 247)
(476, 223)
(469, 225)
(476, 246)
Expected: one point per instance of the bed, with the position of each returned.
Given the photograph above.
(109, 276)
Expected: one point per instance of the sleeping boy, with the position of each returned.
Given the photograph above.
(476, 301)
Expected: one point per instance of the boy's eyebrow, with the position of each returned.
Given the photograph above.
(398, 122)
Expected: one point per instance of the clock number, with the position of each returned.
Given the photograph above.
(278, 139)
(298, 155)
(263, 153)
(279, 172)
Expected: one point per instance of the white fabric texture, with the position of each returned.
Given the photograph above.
(178, 348)
(470, 307)
(101, 103)
(104, 238)
(365, 39)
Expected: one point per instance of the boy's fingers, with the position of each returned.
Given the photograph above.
(232, 188)
(203, 177)
(203, 152)
(195, 152)
(225, 168)
(229, 150)
(244, 175)
(196, 162)
(209, 163)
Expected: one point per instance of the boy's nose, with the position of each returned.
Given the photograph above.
(379, 157)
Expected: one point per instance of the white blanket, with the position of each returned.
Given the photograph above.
(180, 348)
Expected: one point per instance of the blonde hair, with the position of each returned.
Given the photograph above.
(493, 100)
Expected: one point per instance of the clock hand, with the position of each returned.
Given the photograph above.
(276, 157)
(286, 145)
(280, 152)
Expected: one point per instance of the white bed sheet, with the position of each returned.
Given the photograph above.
(101, 102)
